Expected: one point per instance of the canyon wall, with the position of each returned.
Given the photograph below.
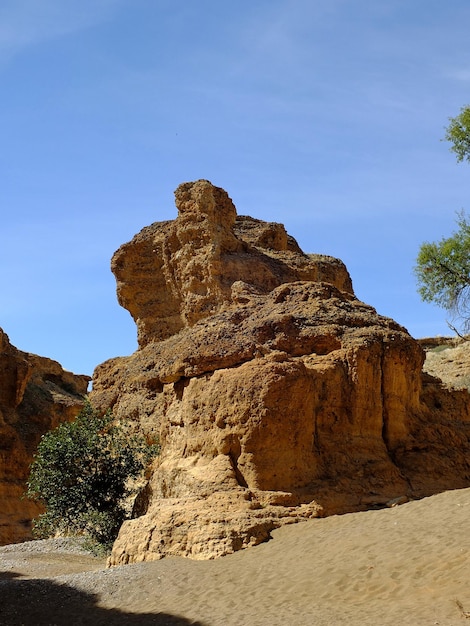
(36, 395)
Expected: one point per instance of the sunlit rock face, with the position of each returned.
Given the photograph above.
(174, 274)
(276, 394)
(36, 395)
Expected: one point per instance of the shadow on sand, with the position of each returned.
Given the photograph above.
(44, 602)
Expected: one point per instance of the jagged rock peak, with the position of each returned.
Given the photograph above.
(203, 198)
(175, 273)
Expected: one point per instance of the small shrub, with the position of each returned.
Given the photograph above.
(82, 474)
(440, 348)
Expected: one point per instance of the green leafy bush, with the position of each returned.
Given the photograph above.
(82, 474)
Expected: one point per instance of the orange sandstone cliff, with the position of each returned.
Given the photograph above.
(36, 395)
(276, 394)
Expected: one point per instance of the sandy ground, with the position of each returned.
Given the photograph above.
(404, 565)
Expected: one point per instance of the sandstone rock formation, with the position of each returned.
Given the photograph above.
(448, 358)
(277, 395)
(173, 274)
(36, 394)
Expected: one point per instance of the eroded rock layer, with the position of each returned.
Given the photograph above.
(36, 395)
(276, 394)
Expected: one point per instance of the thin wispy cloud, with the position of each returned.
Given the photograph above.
(461, 74)
(28, 22)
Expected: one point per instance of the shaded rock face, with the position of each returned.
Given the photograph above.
(276, 394)
(36, 395)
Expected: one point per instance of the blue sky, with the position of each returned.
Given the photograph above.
(325, 115)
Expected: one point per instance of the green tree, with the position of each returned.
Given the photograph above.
(458, 133)
(443, 272)
(443, 268)
(82, 474)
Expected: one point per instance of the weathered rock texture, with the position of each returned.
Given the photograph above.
(174, 274)
(36, 395)
(448, 358)
(276, 394)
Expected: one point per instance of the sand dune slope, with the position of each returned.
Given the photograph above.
(404, 565)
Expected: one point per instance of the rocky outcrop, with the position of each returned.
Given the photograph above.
(36, 395)
(174, 274)
(448, 358)
(277, 395)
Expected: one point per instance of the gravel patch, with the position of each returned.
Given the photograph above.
(63, 545)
